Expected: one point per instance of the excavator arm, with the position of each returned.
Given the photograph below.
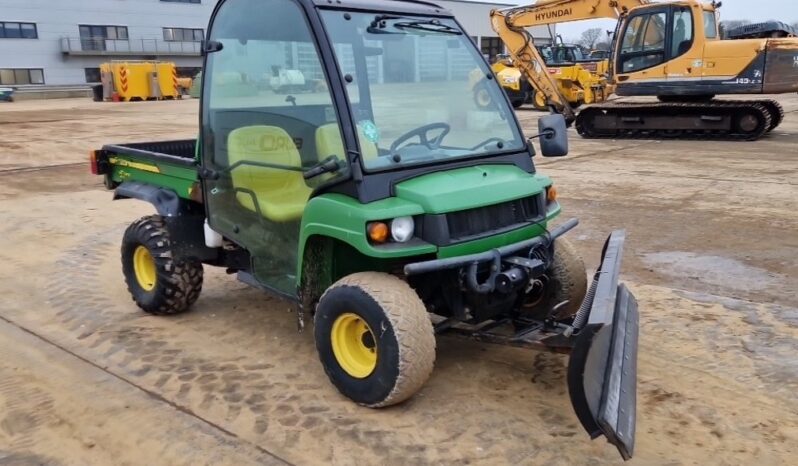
(511, 23)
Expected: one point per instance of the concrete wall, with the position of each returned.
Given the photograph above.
(57, 19)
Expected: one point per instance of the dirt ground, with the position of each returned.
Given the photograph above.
(86, 378)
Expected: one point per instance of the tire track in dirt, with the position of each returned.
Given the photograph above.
(26, 408)
(221, 391)
(281, 400)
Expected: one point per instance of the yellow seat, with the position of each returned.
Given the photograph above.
(281, 193)
(328, 142)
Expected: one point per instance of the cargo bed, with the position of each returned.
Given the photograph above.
(181, 151)
(164, 164)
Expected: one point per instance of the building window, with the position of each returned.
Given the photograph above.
(92, 75)
(491, 47)
(21, 76)
(11, 30)
(94, 37)
(182, 1)
(183, 34)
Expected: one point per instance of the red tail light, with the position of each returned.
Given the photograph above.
(95, 169)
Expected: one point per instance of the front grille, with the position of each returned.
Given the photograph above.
(475, 222)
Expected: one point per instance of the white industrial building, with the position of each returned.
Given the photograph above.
(63, 42)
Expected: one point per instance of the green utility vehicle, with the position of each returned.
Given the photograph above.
(383, 203)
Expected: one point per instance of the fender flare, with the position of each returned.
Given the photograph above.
(165, 201)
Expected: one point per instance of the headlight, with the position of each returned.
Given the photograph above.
(402, 229)
(510, 80)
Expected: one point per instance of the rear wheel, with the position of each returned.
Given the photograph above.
(482, 97)
(374, 338)
(566, 280)
(158, 283)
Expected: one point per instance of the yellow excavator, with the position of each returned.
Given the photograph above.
(579, 79)
(669, 50)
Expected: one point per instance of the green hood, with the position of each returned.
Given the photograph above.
(470, 187)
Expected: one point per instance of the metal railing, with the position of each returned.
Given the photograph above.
(102, 46)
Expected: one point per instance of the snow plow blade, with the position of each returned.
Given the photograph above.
(602, 370)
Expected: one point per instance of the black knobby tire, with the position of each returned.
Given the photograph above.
(566, 280)
(177, 282)
(402, 332)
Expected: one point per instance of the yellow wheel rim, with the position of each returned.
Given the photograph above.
(144, 267)
(353, 345)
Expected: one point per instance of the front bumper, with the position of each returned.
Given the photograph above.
(602, 340)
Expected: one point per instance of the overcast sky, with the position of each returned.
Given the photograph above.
(752, 10)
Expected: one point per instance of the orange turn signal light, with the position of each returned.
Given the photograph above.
(551, 194)
(378, 232)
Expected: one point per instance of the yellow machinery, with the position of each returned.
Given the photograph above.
(184, 85)
(669, 50)
(510, 79)
(139, 80)
(578, 79)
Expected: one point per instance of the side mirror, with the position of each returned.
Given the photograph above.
(553, 136)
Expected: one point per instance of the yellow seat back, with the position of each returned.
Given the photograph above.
(328, 142)
(281, 193)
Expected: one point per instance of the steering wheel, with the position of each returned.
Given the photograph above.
(421, 132)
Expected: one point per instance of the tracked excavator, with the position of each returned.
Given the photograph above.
(669, 50)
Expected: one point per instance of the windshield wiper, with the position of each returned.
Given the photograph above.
(380, 22)
(423, 26)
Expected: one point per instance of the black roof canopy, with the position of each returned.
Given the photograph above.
(418, 7)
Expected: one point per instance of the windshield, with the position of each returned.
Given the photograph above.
(710, 26)
(559, 54)
(419, 90)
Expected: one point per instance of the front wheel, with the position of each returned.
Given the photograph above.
(566, 280)
(158, 283)
(374, 338)
(540, 102)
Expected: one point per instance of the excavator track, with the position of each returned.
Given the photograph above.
(746, 120)
(776, 112)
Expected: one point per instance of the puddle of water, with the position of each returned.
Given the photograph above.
(712, 270)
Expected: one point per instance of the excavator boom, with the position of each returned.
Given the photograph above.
(510, 24)
(562, 11)
(526, 58)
